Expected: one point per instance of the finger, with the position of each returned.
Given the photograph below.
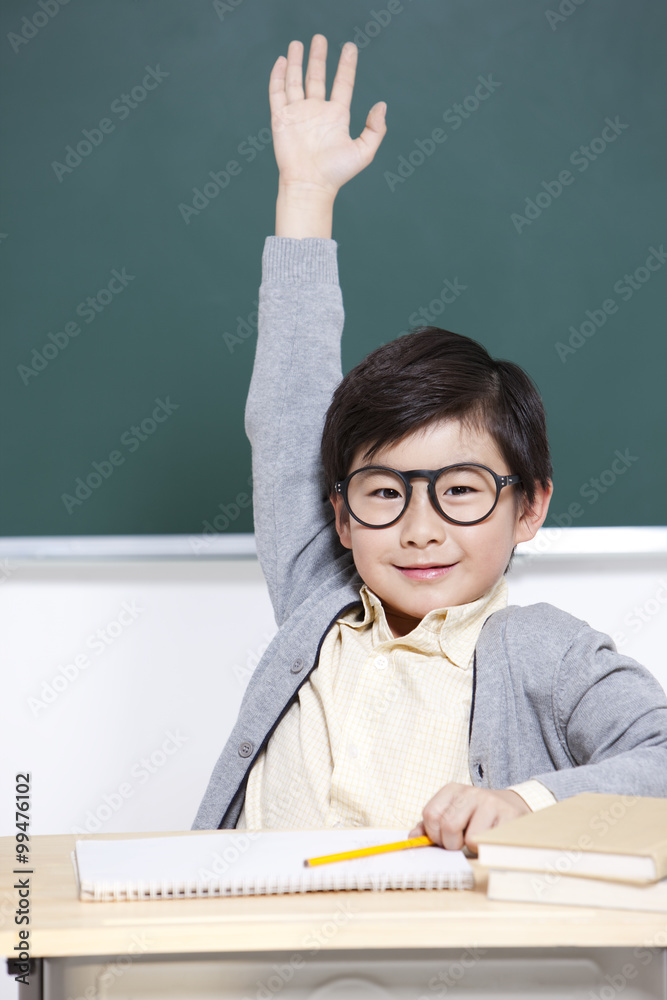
(293, 81)
(417, 831)
(277, 96)
(343, 85)
(376, 127)
(484, 818)
(316, 73)
(449, 816)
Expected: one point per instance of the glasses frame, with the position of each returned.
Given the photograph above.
(342, 487)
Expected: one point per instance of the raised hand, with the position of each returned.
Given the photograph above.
(311, 136)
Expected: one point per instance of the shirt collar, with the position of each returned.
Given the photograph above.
(456, 628)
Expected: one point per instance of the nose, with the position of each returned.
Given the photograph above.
(421, 524)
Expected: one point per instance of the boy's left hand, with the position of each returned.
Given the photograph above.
(457, 814)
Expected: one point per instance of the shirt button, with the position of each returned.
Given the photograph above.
(352, 750)
(245, 748)
(380, 662)
(297, 666)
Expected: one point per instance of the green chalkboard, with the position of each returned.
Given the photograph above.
(518, 198)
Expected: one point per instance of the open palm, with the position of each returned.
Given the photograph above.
(311, 136)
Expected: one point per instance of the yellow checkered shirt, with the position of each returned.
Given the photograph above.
(379, 727)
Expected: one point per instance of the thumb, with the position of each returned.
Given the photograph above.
(417, 831)
(369, 141)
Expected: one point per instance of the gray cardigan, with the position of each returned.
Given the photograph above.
(552, 699)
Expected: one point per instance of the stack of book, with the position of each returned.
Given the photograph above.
(587, 850)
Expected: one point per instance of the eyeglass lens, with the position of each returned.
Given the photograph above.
(465, 493)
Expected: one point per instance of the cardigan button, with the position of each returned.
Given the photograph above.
(245, 748)
(297, 666)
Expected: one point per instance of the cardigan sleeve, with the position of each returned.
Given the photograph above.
(297, 368)
(610, 714)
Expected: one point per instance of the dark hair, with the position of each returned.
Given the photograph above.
(429, 375)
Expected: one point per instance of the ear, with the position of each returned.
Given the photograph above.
(533, 517)
(342, 520)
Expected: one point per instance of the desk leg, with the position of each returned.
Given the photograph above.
(35, 988)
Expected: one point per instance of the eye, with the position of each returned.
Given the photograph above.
(386, 493)
(459, 491)
(467, 488)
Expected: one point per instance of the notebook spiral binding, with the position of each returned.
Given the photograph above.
(319, 881)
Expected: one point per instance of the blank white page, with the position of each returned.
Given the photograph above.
(247, 862)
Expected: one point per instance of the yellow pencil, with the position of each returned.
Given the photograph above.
(363, 852)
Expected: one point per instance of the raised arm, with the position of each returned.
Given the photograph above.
(297, 364)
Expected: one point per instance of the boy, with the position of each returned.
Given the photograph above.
(400, 690)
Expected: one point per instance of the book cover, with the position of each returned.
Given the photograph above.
(618, 837)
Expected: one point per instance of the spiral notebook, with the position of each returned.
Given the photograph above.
(250, 863)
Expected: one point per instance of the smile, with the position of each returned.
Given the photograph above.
(424, 572)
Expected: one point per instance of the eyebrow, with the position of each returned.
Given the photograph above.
(472, 461)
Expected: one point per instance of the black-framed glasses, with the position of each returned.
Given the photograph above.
(377, 496)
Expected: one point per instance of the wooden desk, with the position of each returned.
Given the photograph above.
(359, 924)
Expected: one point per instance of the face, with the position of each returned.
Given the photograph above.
(423, 562)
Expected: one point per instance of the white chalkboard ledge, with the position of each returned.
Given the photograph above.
(549, 543)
